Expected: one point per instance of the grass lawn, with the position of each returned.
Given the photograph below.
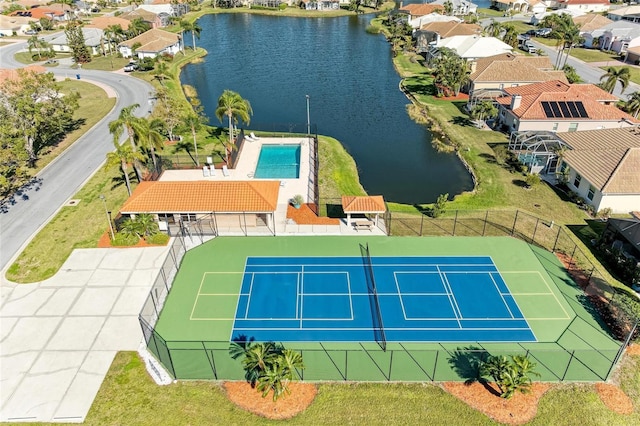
(79, 226)
(634, 72)
(128, 396)
(594, 55)
(93, 106)
(106, 63)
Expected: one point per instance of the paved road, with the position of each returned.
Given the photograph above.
(28, 211)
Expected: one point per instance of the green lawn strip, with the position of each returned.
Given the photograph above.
(93, 106)
(634, 72)
(78, 226)
(106, 63)
(594, 55)
(338, 174)
(128, 396)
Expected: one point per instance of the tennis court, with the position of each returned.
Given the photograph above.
(380, 308)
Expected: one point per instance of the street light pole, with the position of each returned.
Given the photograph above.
(104, 201)
(308, 120)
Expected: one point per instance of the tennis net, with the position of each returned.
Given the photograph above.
(374, 302)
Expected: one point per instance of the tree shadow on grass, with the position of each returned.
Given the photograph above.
(462, 121)
(466, 362)
(519, 183)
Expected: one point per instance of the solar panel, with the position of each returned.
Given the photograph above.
(573, 109)
(581, 110)
(547, 109)
(565, 110)
(556, 109)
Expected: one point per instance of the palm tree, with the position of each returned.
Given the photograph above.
(134, 127)
(151, 137)
(232, 105)
(193, 27)
(122, 157)
(493, 29)
(633, 104)
(448, 8)
(613, 76)
(114, 34)
(161, 72)
(510, 36)
(137, 27)
(194, 121)
(32, 43)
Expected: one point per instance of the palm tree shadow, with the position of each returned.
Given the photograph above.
(467, 363)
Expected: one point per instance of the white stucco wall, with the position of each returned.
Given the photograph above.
(618, 203)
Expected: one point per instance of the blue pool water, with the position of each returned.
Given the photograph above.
(279, 162)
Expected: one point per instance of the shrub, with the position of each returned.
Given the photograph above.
(510, 375)
(282, 6)
(160, 239)
(440, 205)
(125, 240)
(532, 179)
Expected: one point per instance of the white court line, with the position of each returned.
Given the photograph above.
(546, 285)
(350, 296)
(300, 295)
(391, 328)
(246, 312)
(195, 302)
(504, 302)
(404, 312)
(452, 297)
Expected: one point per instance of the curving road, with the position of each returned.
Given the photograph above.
(28, 211)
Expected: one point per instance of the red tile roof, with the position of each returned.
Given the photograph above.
(370, 204)
(590, 95)
(416, 10)
(203, 197)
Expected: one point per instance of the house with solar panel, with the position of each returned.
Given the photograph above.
(558, 106)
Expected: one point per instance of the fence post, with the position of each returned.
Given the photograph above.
(568, 364)
(455, 222)
(515, 220)
(575, 247)
(435, 365)
(421, 223)
(533, 238)
(555, 243)
(484, 226)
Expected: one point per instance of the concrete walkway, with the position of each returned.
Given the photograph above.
(59, 337)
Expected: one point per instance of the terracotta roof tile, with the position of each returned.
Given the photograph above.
(103, 22)
(591, 21)
(203, 197)
(512, 70)
(451, 28)
(370, 204)
(153, 40)
(590, 95)
(145, 15)
(420, 9)
(609, 158)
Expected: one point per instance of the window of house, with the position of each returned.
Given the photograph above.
(573, 127)
(577, 180)
(591, 193)
(555, 126)
(188, 217)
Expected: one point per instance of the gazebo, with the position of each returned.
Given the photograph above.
(363, 205)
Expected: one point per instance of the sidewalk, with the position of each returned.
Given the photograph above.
(59, 337)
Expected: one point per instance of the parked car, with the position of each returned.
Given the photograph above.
(543, 32)
(131, 66)
(51, 62)
(528, 46)
(531, 33)
(31, 32)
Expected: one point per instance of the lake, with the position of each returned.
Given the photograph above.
(274, 62)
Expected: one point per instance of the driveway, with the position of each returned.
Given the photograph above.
(59, 336)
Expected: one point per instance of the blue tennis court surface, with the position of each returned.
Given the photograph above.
(421, 299)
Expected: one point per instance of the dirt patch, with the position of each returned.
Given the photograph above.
(460, 97)
(633, 349)
(614, 398)
(305, 216)
(518, 410)
(247, 398)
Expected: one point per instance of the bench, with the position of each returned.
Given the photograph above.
(362, 224)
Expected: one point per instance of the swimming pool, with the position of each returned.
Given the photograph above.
(278, 161)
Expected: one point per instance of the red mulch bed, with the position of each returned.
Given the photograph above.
(105, 242)
(248, 398)
(633, 349)
(460, 97)
(520, 409)
(305, 216)
(614, 398)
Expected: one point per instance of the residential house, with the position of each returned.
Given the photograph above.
(470, 47)
(630, 13)
(12, 74)
(152, 43)
(417, 10)
(460, 7)
(585, 6)
(619, 36)
(590, 22)
(435, 31)
(234, 204)
(320, 4)
(166, 11)
(15, 25)
(604, 167)
(490, 76)
(42, 12)
(93, 39)
(519, 6)
(560, 107)
(149, 17)
(432, 17)
(104, 22)
(633, 55)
